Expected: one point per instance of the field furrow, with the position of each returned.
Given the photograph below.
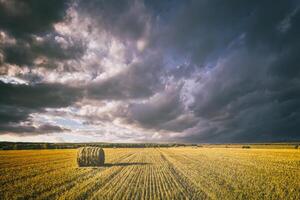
(231, 173)
(152, 174)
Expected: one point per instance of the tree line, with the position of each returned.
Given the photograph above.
(27, 145)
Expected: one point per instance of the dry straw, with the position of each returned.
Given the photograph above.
(90, 156)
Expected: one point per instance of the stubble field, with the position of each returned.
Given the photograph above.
(153, 173)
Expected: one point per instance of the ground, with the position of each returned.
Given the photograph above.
(153, 173)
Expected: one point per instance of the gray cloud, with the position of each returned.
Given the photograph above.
(141, 79)
(13, 114)
(126, 19)
(29, 129)
(158, 110)
(30, 24)
(49, 50)
(209, 71)
(23, 17)
(19, 101)
(246, 103)
(203, 30)
(38, 95)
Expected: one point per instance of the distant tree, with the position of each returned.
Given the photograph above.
(15, 146)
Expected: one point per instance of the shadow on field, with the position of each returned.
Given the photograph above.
(113, 165)
(124, 164)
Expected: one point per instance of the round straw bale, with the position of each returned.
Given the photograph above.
(90, 156)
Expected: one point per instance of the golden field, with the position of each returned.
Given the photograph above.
(153, 173)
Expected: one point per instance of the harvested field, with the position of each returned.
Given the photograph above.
(152, 173)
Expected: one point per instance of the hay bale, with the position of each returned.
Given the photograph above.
(90, 156)
(246, 147)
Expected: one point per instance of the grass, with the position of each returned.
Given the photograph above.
(153, 173)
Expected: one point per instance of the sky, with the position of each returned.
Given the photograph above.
(193, 71)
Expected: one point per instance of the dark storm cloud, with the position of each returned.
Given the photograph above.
(222, 71)
(141, 79)
(251, 95)
(203, 30)
(17, 102)
(13, 114)
(126, 19)
(24, 21)
(246, 103)
(38, 95)
(252, 92)
(29, 129)
(159, 110)
(23, 17)
(24, 52)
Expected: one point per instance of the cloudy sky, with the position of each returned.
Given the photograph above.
(149, 70)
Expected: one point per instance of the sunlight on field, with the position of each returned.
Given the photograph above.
(153, 173)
